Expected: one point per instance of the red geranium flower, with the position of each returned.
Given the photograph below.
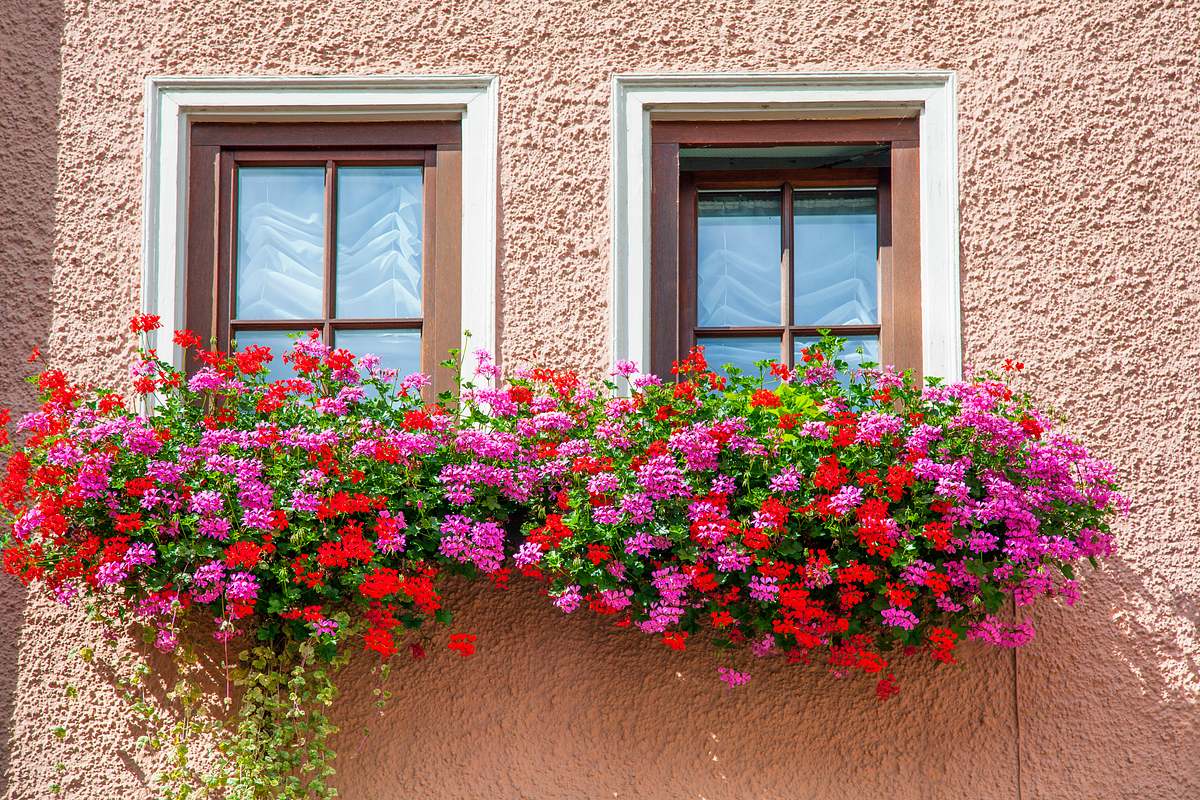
(763, 398)
(676, 640)
(242, 554)
(462, 643)
(380, 583)
(144, 323)
(887, 687)
(380, 641)
(252, 360)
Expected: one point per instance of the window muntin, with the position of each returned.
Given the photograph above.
(350, 229)
(337, 247)
(848, 240)
(778, 262)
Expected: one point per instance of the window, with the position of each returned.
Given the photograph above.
(350, 229)
(764, 232)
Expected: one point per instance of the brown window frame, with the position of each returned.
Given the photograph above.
(218, 149)
(673, 234)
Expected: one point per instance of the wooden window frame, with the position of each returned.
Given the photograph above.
(218, 149)
(673, 275)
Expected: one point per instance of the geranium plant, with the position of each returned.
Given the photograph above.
(806, 512)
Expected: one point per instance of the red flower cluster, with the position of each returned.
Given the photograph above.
(463, 644)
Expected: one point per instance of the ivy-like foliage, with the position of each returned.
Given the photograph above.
(806, 512)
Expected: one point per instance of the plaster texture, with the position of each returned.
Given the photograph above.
(1079, 128)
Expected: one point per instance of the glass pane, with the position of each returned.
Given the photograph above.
(740, 352)
(869, 344)
(398, 350)
(737, 259)
(379, 215)
(836, 236)
(280, 342)
(280, 242)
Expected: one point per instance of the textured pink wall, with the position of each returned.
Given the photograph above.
(1080, 154)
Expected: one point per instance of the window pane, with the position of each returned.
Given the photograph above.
(399, 350)
(869, 344)
(737, 259)
(740, 352)
(280, 242)
(836, 258)
(280, 342)
(379, 215)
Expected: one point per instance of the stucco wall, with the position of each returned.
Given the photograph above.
(1080, 156)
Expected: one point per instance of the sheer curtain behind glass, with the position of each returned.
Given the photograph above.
(836, 241)
(741, 264)
(737, 264)
(379, 242)
(280, 242)
(376, 263)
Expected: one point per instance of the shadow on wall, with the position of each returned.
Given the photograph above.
(30, 38)
(1110, 689)
(1157, 626)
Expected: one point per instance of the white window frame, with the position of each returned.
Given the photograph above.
(639, 99)
(173, 102)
